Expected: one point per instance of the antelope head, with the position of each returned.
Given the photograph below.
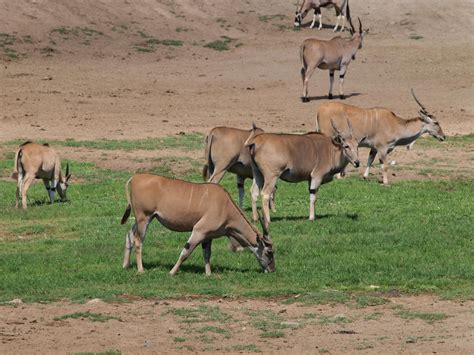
(264, 250)
(348, 144)
(298, 19)
(63, 184)
(360, 34)
(430, 124)
(298, 15)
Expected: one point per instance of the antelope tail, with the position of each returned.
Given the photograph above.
(17, 165)
(209, 166)
(251, 138)
(129, 205)
(303, 61)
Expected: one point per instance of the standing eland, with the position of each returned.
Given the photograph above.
(311, 157)
(383, 130)
(334, 54)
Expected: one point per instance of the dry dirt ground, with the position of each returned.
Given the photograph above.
(107, 70)
(239, 326)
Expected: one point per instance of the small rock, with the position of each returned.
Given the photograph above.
(47, 78)
(16, 301)
(374, 287)
(94, 301)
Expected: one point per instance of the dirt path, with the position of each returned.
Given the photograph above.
(413, 325)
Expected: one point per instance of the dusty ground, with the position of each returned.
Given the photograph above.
(240, 326)
(94, 70)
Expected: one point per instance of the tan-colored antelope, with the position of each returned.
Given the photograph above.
(334, 54)
(225, 151)
(383, 130)
(206, 210)
(36, 161)
(312, 157)
(341, 7)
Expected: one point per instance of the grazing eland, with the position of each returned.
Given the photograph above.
(39, 161)
(341, 7)
(205, 209)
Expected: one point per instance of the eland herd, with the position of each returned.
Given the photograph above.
(206, 209)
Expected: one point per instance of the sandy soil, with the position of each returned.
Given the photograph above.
(93, 69)
(221, 325)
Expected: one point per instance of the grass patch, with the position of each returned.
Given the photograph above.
(321, 297)
(222, 44)
(251, 348)
(415, 37)
(373, 316)
(404, 238)
(268, 18)
(93, 317)
(426, 316)
(455, 141)
(336, 319)
(273, 334)
(150, 43)
(186, 142)
(200, 314)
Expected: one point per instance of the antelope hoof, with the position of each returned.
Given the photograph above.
(330, 97)
(305, 99)
(343, 97)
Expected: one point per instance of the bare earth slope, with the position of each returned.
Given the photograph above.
(110, 76)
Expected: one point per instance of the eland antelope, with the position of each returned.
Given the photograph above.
(206, 210)
(334, 54)
(383, 130)
(225, 151)
(311, 157)
(36, 161)
(341, 7)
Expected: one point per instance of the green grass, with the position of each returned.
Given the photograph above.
(457, 141)
(186, 142)
(426, 316)
(94, 317)
(222, 44)
(267, 18)
(150, 43)
(413, 237)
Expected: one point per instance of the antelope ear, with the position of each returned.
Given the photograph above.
(267, 242)
(426, 118)
(337, 139)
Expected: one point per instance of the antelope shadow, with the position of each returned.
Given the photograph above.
(194, 269)
(351, 216)
(325, 97)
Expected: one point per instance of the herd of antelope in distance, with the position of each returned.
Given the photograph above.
(207, 209)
